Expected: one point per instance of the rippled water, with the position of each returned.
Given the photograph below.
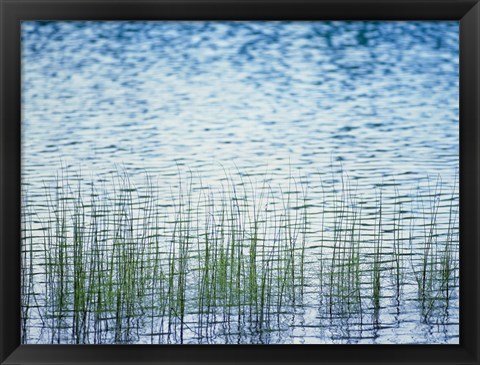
(338, 115)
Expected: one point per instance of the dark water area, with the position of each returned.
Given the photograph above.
(240, 182)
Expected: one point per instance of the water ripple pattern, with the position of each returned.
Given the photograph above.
(240, 182)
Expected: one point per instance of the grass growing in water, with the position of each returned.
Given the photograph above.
(118, 262)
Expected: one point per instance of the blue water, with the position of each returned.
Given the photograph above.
(378, 100)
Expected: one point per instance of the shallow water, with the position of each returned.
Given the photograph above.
(305, 106)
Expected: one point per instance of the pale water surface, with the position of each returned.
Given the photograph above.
(343, 117)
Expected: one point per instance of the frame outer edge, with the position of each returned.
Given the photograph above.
(3, 330)
(476, 10)
(10, 174)
(9, 180)
(470, 179)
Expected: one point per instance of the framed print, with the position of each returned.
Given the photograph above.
(239, 182)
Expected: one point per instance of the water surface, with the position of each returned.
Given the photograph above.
(336, 115)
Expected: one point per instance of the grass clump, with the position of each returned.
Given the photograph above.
(109, 261)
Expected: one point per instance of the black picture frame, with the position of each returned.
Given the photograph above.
(467, 12)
